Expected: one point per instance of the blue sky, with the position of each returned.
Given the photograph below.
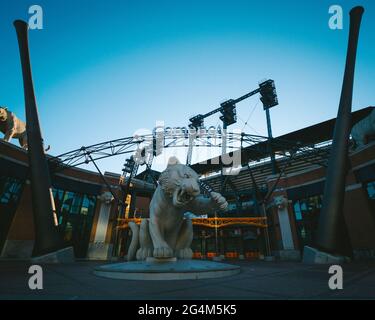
(103, 69)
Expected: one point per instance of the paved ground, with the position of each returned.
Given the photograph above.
(257, 280)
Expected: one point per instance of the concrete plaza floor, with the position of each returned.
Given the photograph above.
(257, 280)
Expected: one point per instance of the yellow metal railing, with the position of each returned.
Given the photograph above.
(260, 222)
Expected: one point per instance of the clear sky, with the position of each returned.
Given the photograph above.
(103, 69)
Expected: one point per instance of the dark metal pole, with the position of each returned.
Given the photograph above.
(266, 233)
(224, 139)
(270, 137)
(332, 234)
(269, 127)
(47, 238)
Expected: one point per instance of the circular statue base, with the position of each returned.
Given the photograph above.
(166, 269)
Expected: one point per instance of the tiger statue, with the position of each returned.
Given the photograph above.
(364, 130)
(168, 233)
(12, 127)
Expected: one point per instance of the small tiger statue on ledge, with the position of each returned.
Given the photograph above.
(12, 127)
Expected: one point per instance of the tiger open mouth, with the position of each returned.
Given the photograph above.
(182, 197)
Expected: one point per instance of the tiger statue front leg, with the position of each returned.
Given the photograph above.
(183, 245)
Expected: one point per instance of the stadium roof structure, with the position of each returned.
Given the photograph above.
(312, 141)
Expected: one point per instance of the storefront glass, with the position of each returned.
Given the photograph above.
(75, 213)
(306, 213)
(10, 194)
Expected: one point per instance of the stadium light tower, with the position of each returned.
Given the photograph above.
(268, 96)
(128, 165)
(196, 122)
(228, 111)
(229, 116)
(129, 170)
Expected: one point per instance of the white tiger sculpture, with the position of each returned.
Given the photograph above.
(12, 127)
(364, 129)
(167, 233)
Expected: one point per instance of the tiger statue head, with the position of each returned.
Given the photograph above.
(3, 114)
(179, 182)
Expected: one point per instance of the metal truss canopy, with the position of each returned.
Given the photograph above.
(307, 141)
(133, 145)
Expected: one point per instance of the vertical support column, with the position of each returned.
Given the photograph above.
(132, 204)
(285, 228)
(286, 250)
(47, 238)
(332, 232)
(266, 236)
(242, 249)
(204, 244)
(99, 249)
(222, 245)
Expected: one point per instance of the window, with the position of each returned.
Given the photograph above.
(10, 190)
(371, 190)
(76, 204)
(88, 205)
(297, 211)
(67, 202)
(306, 212)
(232, 206)
(75, 213)
(10, 194)
(371, 195)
